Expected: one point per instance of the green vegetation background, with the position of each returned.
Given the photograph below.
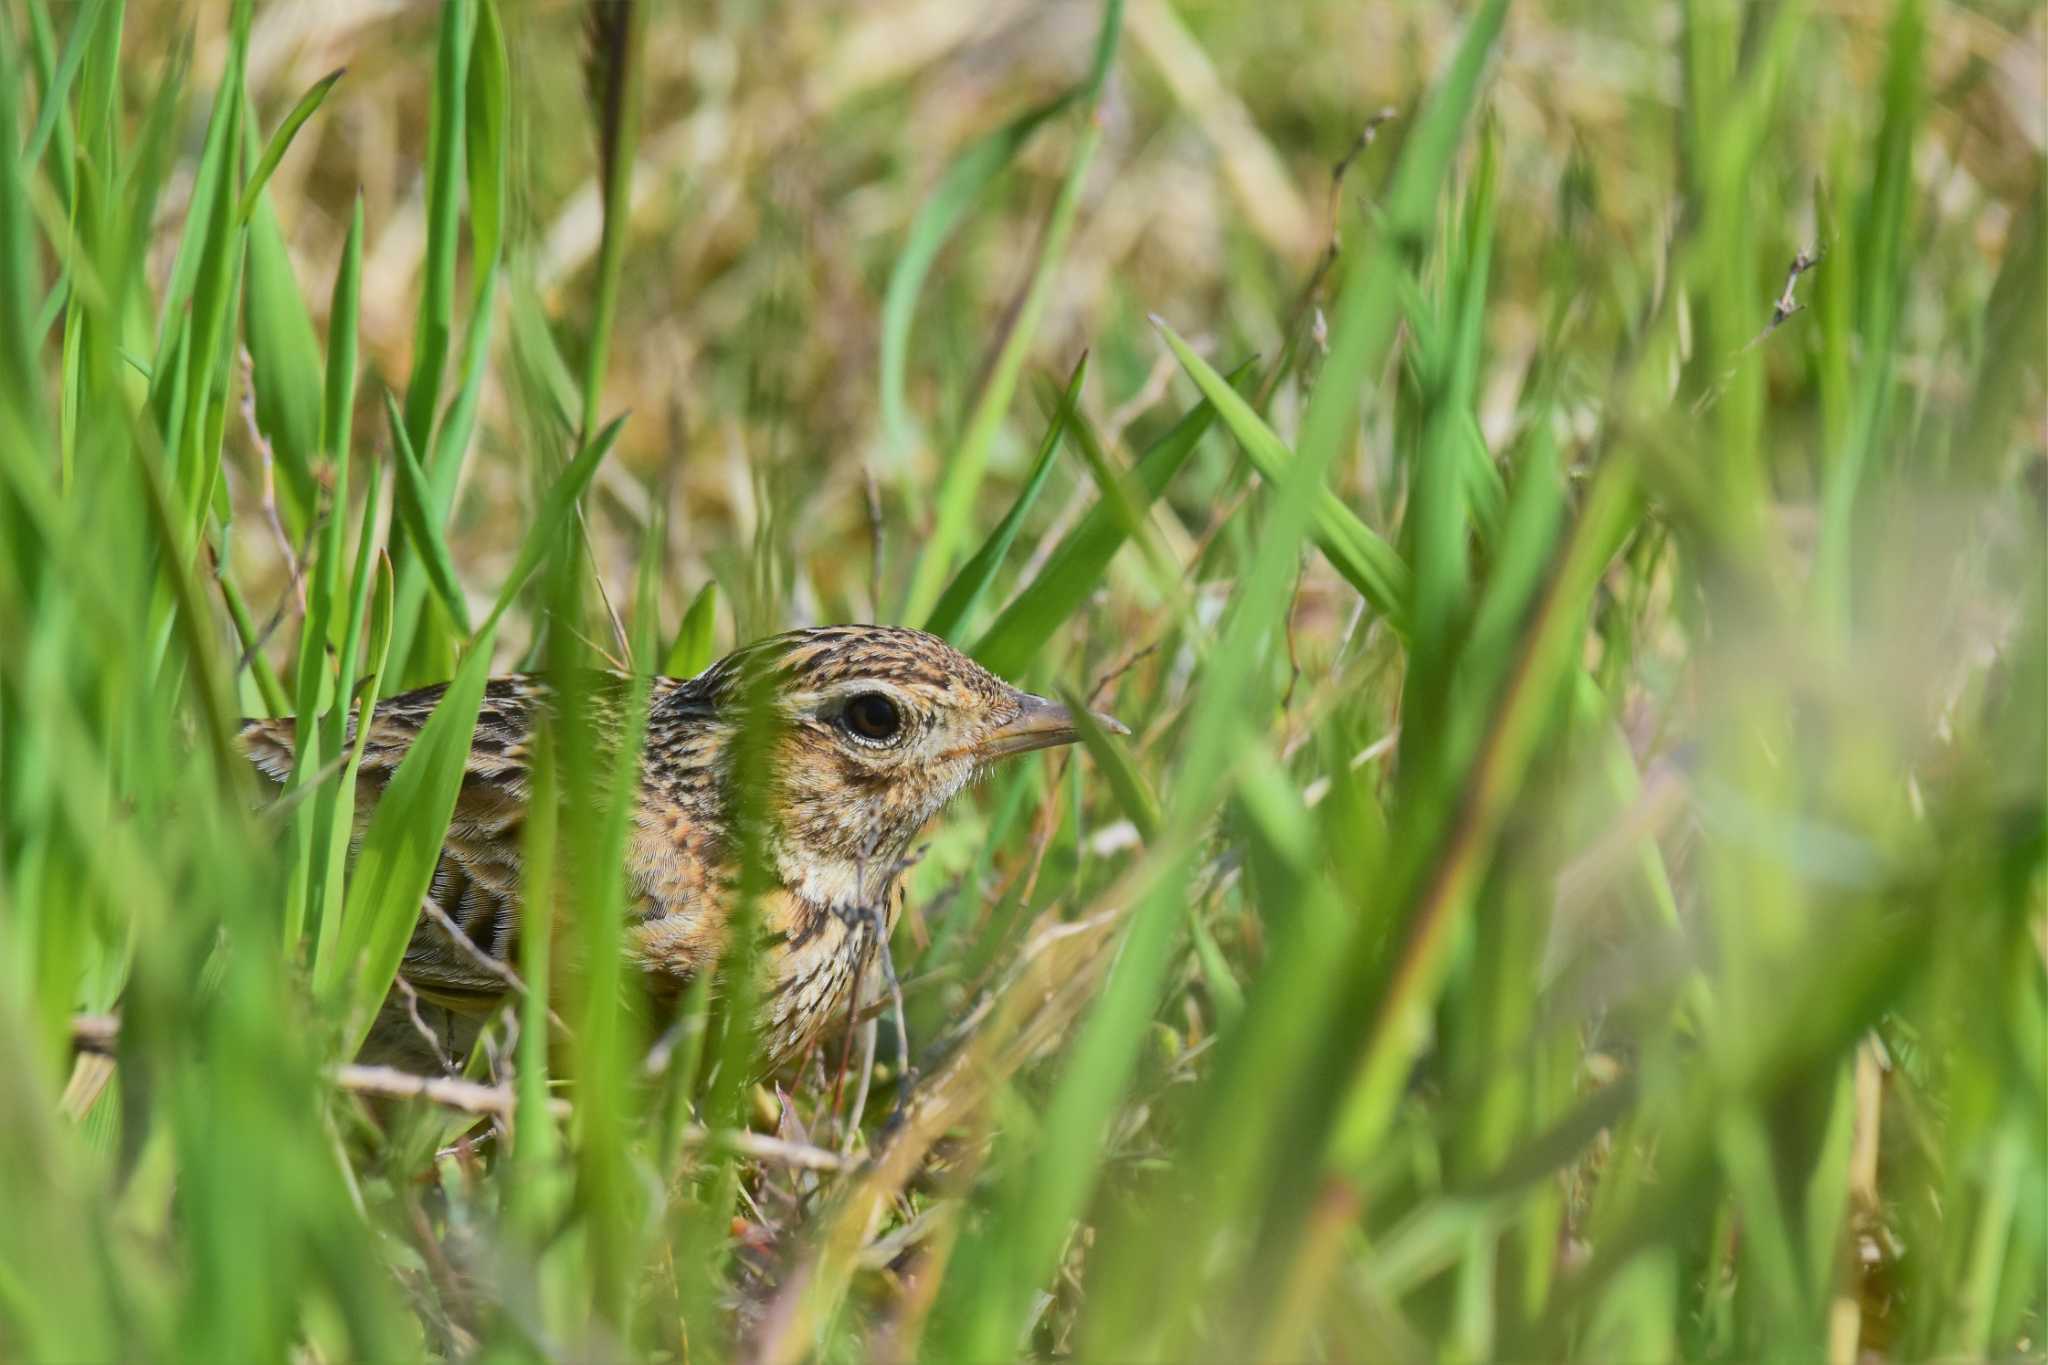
(1556, 490)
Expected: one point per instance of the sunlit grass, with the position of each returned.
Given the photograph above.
(1575, 889)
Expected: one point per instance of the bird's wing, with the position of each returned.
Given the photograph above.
(475, 887)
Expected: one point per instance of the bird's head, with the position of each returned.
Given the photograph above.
(873, 729)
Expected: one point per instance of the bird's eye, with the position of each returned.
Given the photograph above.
(873, 717)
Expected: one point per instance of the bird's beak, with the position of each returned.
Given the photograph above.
(1041, 724)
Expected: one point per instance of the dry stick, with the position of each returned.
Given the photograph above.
(617, 664)
(1782, 308)
(412, 1010)
(294, 562)
(470, 948)
(597, 576)
(1130, 662)
(1293, 652)
(1164, 367)
(273, 815)
(853, 1016)
(1305, 302)
(261, 637)
(870, 1033)
(452, 1092)
(98, 1033)
(874, 911)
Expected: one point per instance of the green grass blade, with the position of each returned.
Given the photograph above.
(338, 391)
(284, 361)
(281, 141)
(436, 323)
(556, 514)
(58, 89)
(401, 847)
(485, 132)
(1365, 559)
(1076, 566)
(961, 477)
(692, 650)
(1545, 658)
(415, 507)
(965, 592)
(1880, 251)
(1126, 783)
(964, 183)
(615, 71)
(336, 807)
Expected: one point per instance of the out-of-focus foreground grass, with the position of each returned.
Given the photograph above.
(1558, 496)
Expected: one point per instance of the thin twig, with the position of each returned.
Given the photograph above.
(472, 950)
(274, 814)
(761, 1147)
(99, 1033)
(1130, 662)
(617, 663)
(873, 910)
(451, 1092)
(1782, 308)
(1164, 368)
(908, 1082)
(597, 575)
(419, 1024)
(1305, 302)
(1293, 652)
(869, 1033)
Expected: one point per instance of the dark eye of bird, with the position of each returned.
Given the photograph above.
(874, 717)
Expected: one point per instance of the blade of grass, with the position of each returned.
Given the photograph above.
(281, 141)
(1076, 566)
(962, 474)
(614, 73)
(415, 508)
(1365, 559)
(445, 132)
(1401, 1013)
(964, 182)
(284, 364)
(1126, 783)
(58, 89)
(401, 847)
(335, 808)
(556, 512)
(691, 651)
(965, 592)
(320, 728)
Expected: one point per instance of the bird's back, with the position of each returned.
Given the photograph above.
(461, 958)
(468, 934)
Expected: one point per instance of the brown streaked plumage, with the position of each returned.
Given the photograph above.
(874, 729)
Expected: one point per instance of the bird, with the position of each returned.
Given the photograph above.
(870, 731)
